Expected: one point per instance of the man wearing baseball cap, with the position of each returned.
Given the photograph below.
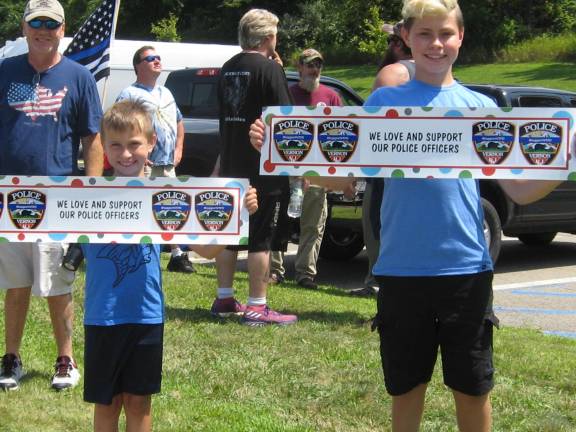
(48, 105)
(308, 92)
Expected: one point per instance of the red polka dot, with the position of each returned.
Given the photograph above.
(21, 237)
(392, 113)
(15, 180)
(327, 111)
(77, 183)
(488, 171)
(430, 177)
(167, 236)
(331, 170)
(269, 166)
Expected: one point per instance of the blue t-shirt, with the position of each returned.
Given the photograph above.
(44, 115)
(123, 284)
(431, 227)
(165, 115)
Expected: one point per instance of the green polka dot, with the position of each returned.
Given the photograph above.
(490, 116)
(4, 240)
(311, 174)
(572, 176)
(243, 241)
(83, 239)
(110, 178)
(352, 115)
(506, 109)
(310, 108)
(183, 178)
(427, 109)
(2, 177)
(465, 174)
(146, 240)
(398, 174)
(268, 119)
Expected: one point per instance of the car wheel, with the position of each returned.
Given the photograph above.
(341, 244)
(492, 229)
(537, 239)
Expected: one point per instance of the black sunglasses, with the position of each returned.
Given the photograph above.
(150, 58)
(48, 24)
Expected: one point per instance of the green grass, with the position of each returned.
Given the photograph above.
(322, 374)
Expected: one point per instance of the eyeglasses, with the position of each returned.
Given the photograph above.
(150, 58)
(48, 24)
(314, 64)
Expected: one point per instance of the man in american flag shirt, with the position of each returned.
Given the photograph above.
(48, 106)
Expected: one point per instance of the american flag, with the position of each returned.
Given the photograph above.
(35, 101)
(91, 44)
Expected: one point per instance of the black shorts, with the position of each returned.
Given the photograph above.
(269, 226)
(418, 315)
(124, 358)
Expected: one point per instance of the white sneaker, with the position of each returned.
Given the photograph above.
(11, 372)
(66, 375)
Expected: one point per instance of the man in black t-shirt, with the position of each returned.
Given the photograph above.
(250, 81)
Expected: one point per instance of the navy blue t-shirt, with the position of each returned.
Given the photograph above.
(44, 115)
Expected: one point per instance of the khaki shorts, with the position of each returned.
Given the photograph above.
(160, 171)
(35, 265)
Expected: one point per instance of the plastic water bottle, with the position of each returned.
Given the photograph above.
(296, 197)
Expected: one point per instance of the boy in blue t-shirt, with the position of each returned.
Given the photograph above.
(124, 305)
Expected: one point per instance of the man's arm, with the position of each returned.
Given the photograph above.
(93, 155)
(393, 75)
(527, 191)
(179, 143)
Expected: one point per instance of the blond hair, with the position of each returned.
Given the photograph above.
(255, 26)
(127, 115)
(416, 9)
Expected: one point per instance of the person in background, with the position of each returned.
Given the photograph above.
(169, 129)
(43, 138)
(308, 92)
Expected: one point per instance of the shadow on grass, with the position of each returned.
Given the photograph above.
(32, 375)
(556, 71)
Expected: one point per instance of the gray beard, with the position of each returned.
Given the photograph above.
(309, 84)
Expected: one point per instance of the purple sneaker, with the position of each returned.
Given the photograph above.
(257, 316)
(224, 308)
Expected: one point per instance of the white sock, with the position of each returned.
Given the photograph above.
(176, 252)
(256, 301)
(224, 293)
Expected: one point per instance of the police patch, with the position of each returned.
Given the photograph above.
(171, 209)
(214, 209)
(540, 141)
(338, 139)
(493, 140)
(293, 139)
(26, 208)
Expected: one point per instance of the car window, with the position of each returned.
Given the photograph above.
(195, 99)
(539, 101)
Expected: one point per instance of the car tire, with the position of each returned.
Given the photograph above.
(537, 239)
(341, 244)
(492, 229)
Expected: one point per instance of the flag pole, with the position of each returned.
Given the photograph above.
(112, 37)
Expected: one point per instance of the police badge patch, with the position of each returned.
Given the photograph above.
(293, 139)
(493, 140)
(338, 139)
(540, 141)
(26, 208)
(214, 209)
(171, 209)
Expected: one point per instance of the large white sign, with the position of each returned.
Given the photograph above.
(123, 210)
(419, 142)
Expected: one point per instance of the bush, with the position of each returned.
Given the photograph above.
(541, 49)
(166, 29)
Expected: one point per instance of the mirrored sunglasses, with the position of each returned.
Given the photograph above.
(151, 58)
(48, 24)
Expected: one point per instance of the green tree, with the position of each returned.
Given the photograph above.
(165, 29)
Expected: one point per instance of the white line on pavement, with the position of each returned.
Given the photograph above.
(548, 282)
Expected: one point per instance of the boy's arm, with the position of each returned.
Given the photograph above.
(257, 131)
(527, 191)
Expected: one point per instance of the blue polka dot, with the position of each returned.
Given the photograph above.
(445, 170)
(58, 179)
(286, 110)
(283, 173)
(57, 236)
(372, 109)
(127, 236)
(564, 114)
(516, 171)
(193, 237)
(235, 184)
(134, 183)
(370, 171)
(453, 113)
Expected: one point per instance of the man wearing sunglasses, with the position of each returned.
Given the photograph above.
(308, 92)
(168, 125)
(48, 105)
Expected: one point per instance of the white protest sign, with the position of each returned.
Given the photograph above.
(420, 142)
(123, 210)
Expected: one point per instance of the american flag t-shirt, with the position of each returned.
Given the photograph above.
(91, 43)
(35, 100)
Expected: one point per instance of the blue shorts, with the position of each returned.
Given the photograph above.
(418, 315)
(124, 358)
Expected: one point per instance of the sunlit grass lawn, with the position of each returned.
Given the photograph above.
(322, 374)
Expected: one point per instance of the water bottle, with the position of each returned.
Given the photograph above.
(296, 197)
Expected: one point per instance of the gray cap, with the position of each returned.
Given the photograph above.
(310, 54)
(44, 8)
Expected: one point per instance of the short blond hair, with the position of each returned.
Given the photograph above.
(127, 115)
(255, 26)
(416, 9)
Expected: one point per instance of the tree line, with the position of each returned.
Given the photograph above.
(347, 31)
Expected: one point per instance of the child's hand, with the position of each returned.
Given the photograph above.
(251, 200)
(256, 134)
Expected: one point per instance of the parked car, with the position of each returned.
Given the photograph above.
(534, 224)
